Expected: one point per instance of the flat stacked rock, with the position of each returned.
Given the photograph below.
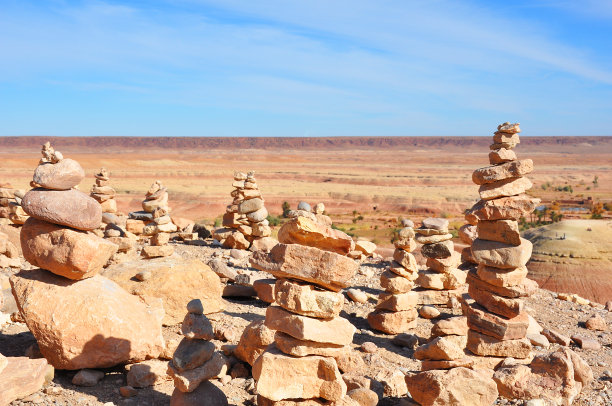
(301, 364)
(247, 216)
(468, 233)
(10, 205)
(159, 230)
(103, 193)
(7, 195)
(195, 362)
(396, 309)
(447, 348)
(495, 312)
(442, 273)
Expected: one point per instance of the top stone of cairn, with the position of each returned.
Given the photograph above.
(56, 173)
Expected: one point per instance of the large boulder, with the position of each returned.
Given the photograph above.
(304, 231)
(327, 269)
(64, 251)
(70, 208)
(458, 386)
(62, 175)
(91, 323)
(175, 280)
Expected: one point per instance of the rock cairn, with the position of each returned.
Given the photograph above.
(10, 205)
(396, 309)
(60, 218)
(310, 335)
(159, 223)
(247, 215)
(442, 273)
(195, 362)
(103, 193)
(7, 195)
(467, 234)
(495, 313)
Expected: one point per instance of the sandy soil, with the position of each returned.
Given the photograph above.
(550, 312)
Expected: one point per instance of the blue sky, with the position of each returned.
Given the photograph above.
(304, 68)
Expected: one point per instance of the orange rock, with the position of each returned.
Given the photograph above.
(393, 322)
(21, 377)
(62, 175)
(442, 348)
(500, 255)
(481, 344)
(113, 326)
(70, 208)
(307, 300)
(506, 231)
(304, 231)
(494, 173)
(512, 207)
(64, 251)
(504, 188)
(255, 339)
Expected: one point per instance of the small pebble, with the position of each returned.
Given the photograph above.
(369, 347)
(429, 312)
(357, 295)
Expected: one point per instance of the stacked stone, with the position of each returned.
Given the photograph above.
(310, 336)
(396, 309)
(9, 255)
(247, 214)
(60, 218)
(10, 205)
(7, 195)
(447, 348)
(195, 362)
(161, 225)
(495, 312)
(18, 215)
(468, 233)
(442, 273)
(103, 193)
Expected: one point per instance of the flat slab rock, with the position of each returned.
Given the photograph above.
(327, 269)
(21, 377)
(304, 231)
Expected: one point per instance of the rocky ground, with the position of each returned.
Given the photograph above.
(385, 366)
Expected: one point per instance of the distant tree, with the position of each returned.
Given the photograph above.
(597, 210)
(596, 181)
(286, 209)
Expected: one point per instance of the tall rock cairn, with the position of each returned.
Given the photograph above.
(310, 335)
(156, 203)
(103, 193)
(396, 309)
(247, 214)
(60, 218)
(442, 273)
(496, 316)
(195, 362)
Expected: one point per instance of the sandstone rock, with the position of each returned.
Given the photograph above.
(197, 326)
(406, 340)
(500, 255)
(439, 281)
(511, 208)
(452, 326)
(468, 233)
(586, 343)
(265, 289)
(438, 250)
(250, 205)
(550, 376)
(147, 373)
(432, 239)
(439, 297)
(301, 348)
(258, 215)
(496, 304)
(442, 348)
(492, 325)
(323, 268)
(526, 287)
(502, 155)
(188, 381)
(206, 394)
(504, 188)
(87, 377)
(502, 277)
(366, 247)
(307, 300)
(304, 231)
(63, 251)
(176, 281)
(429, 312)
(154, 251)
(444, 265)
(255, 339)
(394, 283)
(484, 345)
(596, 322)
(135, 226)
(435, 223)
(21, 377)
(505, 231)
(363, 396)
(407, 273)
(457, 386)
(350, 361)
(236, 240)
(405, 259)
(393, 382)
(430, 364)
(264, 244)
(555, 337)
(70, 208)
(305, 378)
(513, 169)
(509, 128)
(393, 322)
(113, 327)
(334, 331)
(192, 353)
(397, 302)
(63, 175)
(357, 295)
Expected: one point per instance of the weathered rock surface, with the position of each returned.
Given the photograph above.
(511, 208)
(393, 322)
(458, 386)
(64, 251)
(300, 348)
(62, 175)
(504, 188)
(506, 231)
(307, 300)
(323, 268)
(113, 326)
(206, 394)
(302, 378)
(500, 255)
(304, 231)
(493, 325)
(507, 170)
(21, 377)
(481, 344)
(255, 339)
(175, 280)
(189, 380)
(442, 348)
(70, 208)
